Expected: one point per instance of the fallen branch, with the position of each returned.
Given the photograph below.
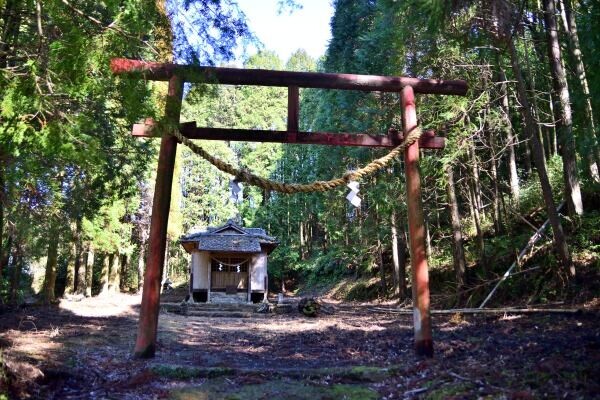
(507, 310)
(532, 241)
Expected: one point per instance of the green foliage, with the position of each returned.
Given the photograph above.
(531, 192)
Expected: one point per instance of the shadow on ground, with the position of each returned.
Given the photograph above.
(54, 353)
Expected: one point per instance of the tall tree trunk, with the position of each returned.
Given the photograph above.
(565, 120)
(51, 263)
(104, 274)
(5, 256)
(89, 270)
(70, 278)
(528, 156)
(575, 49)
(476, 180)
(114, 273)
(398, 258)
(79, 270)
(140, 268)
(477, 221)
(560, 243)
(15, 283)
(381, 268)
(495, 186)
(458, 251)
(510, 140)
(124, 273)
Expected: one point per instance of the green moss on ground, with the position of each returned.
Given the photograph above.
(184, 372)
(219, 389)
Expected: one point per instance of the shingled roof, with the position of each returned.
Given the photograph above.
(230, 238)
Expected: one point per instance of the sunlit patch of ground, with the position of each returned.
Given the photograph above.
(109, 305)
(82, 350)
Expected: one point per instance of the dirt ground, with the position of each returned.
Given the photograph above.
(82, 350)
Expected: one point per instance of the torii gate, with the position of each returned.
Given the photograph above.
(177, 75)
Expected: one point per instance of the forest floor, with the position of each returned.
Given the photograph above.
(82, 350)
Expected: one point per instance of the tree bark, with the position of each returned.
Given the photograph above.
(105, 273)
(458, 251)
(113, 273)
(16, 278)
(398, 258)
(495, 186)
(140, 268)
(510, 140)
(574, 47)
(124, 273)
(563, 105)
(79, 270)
(51, 263)
(70, 278)
(89, 271)
(477, 221)
(560, 243)
(5, 256)
(381, 268)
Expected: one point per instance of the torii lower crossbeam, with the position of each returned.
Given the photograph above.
(177, 75)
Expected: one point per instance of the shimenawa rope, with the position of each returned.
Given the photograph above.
(243, 175)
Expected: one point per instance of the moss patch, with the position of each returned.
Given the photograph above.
(219, 389)
(183, 372)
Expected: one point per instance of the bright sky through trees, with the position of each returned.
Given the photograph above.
(307, 28)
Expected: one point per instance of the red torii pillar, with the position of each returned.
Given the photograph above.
(145, 345)
(416, 230)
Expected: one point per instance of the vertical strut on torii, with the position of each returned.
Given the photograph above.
(178, 75)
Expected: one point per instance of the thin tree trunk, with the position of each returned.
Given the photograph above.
(458, 251)
(70, 278)
(140, 268)
(477, 203)
(427, 238)
(565, 120)
(560, 243)
(395, 256)
(5, 256)
(510, 139)
(570, 25)
(15, 283)
(496, 188)
(113, 274)
(79, 270)
(89, 271)
(124, 273)
(527, 159)
(381, 267)
(402, 251)
(477, 221)
(51, 263)
(104, 274)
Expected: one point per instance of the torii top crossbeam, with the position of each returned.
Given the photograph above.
(177, 75)
(261, 77)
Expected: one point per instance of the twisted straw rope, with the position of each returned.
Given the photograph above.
(243, 175)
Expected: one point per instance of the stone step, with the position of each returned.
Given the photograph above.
(224, 314)
(248, 307)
